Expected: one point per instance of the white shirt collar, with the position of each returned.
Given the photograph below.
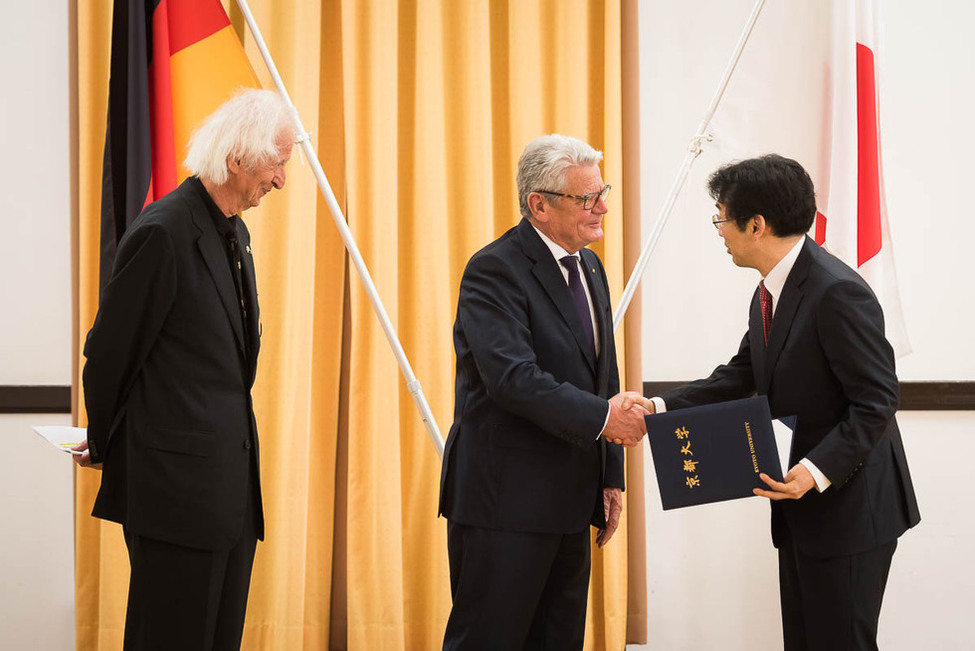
(557, 251)
(775, 280)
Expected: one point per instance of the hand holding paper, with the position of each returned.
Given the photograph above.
(84, 457)
(72, 440)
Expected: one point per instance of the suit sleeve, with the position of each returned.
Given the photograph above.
(130, 315)
(494, 314)
(850, 325)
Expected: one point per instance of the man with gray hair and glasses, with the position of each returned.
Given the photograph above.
(529, 464)
(171, 361)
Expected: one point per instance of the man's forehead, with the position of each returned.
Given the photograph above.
(285, 141)
(587, 174)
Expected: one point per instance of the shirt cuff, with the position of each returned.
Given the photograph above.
(659, 404)
(609, 408)
(822, 482)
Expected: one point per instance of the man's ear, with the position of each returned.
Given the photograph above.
(233, 164)
(538, 206)
(759, 225)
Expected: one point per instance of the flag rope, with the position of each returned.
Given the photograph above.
(377, 305)
(694, 150)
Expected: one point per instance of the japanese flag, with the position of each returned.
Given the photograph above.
(852, 223)
(807, 87)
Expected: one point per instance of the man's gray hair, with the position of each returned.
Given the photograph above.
(246, 127)
(545, 163)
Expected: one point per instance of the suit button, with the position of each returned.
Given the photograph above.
(247, 444)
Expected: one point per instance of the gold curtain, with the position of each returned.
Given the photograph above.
(418, 110)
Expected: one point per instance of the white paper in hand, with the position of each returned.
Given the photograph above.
(783, 442)
(61, 437)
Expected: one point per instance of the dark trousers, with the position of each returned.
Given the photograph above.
(515, 590)
(832, 604)
(188, 599)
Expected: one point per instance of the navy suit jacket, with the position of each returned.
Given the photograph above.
(168, 375)
(827, 362)
(524, 451)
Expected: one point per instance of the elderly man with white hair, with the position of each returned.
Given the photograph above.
(171, 360)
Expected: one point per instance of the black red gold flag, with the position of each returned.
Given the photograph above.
(173, 62)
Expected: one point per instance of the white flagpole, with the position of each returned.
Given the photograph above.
(377, 305)
(694, 150)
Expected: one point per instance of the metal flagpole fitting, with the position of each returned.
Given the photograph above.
(696, 147)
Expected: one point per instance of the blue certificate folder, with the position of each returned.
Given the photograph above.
(713, 452)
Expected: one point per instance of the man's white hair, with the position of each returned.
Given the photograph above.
(245, 127)
(545, 163)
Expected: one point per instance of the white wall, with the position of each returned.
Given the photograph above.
(37, 557)
(929, 594)
(35, 333)
(36, 498)
(712, 570)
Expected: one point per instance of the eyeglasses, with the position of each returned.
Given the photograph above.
(717, 221)
(588, 200)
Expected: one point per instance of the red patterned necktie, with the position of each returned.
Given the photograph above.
(765, 299)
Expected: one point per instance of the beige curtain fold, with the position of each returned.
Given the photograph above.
(418, 110)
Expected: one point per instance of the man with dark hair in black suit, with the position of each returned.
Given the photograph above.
(816, 348)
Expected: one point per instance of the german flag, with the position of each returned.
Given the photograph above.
(173, 63)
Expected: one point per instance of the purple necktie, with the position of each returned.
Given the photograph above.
(571, 263)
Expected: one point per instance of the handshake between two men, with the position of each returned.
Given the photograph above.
(625, 425)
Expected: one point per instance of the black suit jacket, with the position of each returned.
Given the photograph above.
(168, 376)
(829, 363)
(524, 452)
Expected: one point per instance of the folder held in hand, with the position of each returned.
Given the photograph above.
(715, 452)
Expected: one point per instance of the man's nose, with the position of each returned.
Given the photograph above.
(279, 178)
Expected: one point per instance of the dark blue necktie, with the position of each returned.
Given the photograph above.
(571, 263)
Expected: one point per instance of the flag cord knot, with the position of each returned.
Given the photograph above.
(695, 145)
